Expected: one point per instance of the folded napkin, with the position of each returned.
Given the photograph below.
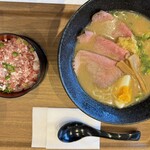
(77, 2)
(47, 121)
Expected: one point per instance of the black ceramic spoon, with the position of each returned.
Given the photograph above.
(74, 131)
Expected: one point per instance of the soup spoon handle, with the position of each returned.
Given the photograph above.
(134, 136)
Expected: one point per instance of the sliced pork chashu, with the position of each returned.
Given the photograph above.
(102, 70)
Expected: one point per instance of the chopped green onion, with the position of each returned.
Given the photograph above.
(31, 49)
(25, 42)
(1, 44)
(115, 13)
(7, 90)
(9, 67)
(15, 54)
(146, 37)
(7, 77)
(140, 45)
(145, 60)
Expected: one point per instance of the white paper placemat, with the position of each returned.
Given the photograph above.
(39, 127)
(76, 2)
(47, 121)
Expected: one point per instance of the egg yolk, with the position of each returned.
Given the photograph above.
(124, 94)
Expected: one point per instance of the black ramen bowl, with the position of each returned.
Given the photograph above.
(42, 60)
(97, 110)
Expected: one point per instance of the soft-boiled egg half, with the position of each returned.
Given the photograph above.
(123, 92)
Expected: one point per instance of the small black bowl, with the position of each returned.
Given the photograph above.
(42, 59)
(88, 105)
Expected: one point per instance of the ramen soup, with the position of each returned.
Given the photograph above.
(112, 58)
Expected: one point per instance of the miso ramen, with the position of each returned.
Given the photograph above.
(112, 58)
